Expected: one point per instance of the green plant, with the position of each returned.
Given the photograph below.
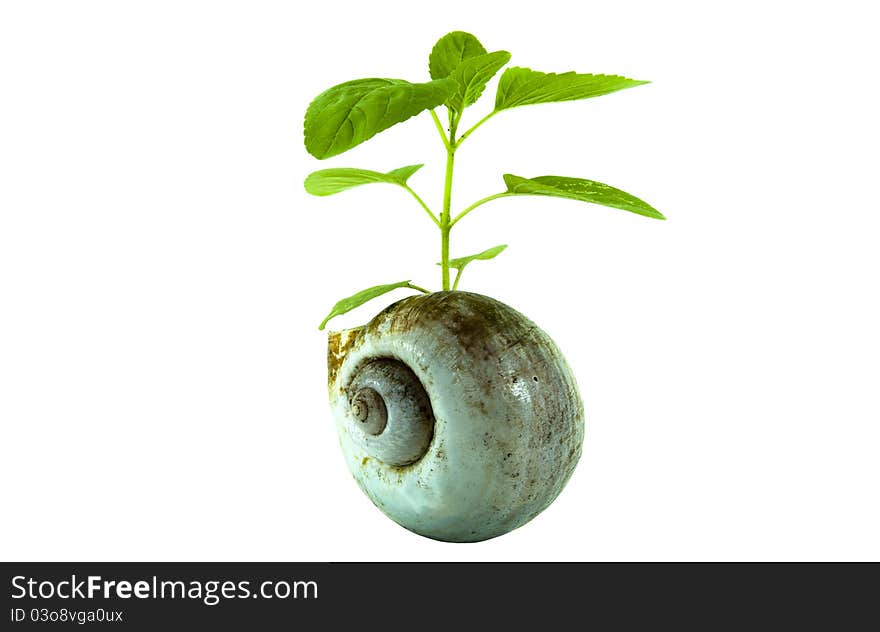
(350, 113)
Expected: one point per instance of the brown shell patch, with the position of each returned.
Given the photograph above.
(339, 343)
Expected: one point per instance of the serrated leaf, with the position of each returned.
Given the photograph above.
(356, 300)
(450, 50)
(460, 262)
(330, 181)
(523, 86)
(582, 190)
(471, 77)
(348, 114)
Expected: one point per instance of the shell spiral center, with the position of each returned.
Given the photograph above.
(391, 412)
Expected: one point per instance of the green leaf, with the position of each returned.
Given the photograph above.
(461, 262)
(330, 181)
(471, 77)
(523, 86)
(450, 50)
(578, 189)
(348, 114)
(402, 174)
(356, 300)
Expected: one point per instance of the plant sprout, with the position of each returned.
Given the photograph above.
(350, 113)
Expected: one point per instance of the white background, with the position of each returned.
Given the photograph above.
(162, 272)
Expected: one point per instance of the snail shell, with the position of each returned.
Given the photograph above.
(458, 417)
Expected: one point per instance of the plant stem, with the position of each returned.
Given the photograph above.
(416, 287)
(478, 203)
(445, 224)
(474, 128)
(439, 126)
(446, 221)
(422, 203)
(457, 278)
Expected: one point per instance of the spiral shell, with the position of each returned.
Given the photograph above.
(458, 417)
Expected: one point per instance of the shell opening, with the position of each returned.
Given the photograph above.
(392, 411)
